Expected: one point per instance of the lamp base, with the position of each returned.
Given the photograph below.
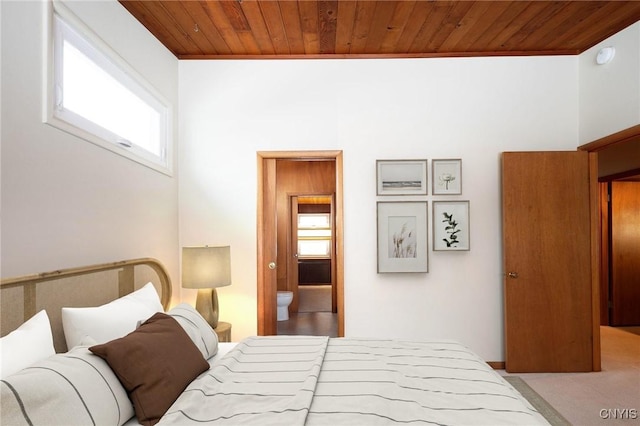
(207, 305)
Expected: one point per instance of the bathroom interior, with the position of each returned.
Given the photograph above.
(309, 279)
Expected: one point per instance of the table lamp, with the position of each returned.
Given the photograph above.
(206, 268)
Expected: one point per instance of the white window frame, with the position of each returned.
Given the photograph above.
(63, 25)
(314, 241)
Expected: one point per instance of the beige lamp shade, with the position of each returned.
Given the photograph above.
(206, 268)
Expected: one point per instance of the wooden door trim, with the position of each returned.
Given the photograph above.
(622, 136)
(334, 292)
(594, 205)
(292, 241)
(619, 176)
(265, 302)
(603, 224)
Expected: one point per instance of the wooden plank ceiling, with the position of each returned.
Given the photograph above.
(237, 29)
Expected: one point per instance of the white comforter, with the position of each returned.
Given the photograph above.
(295, 380)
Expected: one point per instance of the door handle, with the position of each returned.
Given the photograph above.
(512, 275)
(272, 265)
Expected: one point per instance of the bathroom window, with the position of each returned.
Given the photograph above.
(314, 236)
(95, 95)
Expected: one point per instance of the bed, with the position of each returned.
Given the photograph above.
(135, 360)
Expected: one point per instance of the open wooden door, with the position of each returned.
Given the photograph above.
(625, 254)
(548, 261)
(267, 248)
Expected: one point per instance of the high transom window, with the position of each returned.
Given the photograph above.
(95, 95)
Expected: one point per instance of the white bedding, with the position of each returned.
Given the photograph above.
(296, 380)
(223, 348)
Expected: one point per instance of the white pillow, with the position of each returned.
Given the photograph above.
(27, 344)
(112, 320)
(197, 328)
(74, 388)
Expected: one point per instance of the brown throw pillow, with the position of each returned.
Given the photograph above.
(155, 363)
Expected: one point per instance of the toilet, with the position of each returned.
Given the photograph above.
(284, 300)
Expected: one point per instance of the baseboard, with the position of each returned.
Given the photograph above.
(497, 365)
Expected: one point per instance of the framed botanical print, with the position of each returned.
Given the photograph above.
(451, 225)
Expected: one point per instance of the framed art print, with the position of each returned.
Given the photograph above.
(451, 225)
(447, 177)
(401, 177)
(402, 236)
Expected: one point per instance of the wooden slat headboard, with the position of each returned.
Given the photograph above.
(22, 297)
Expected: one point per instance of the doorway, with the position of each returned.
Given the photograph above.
(310, 257)
(618, 159)
(285, 177)
(312, 242)
(620, 242)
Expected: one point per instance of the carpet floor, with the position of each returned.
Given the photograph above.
(539, 403)
(634, 329)
(606, 398)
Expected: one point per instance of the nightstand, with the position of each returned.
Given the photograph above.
(223, 330)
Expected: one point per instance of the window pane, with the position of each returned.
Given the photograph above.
(95, 95)
(307, 220)
(314, 248)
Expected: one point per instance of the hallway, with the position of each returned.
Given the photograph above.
(314, 317)
(586, 398)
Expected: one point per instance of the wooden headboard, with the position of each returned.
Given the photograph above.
(22, 297)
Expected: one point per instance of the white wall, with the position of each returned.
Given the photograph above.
(371, 109)
(610, 93)
(65, 201)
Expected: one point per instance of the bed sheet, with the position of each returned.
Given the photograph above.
(313, 380)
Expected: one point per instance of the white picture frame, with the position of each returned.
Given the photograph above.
(402, 236)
